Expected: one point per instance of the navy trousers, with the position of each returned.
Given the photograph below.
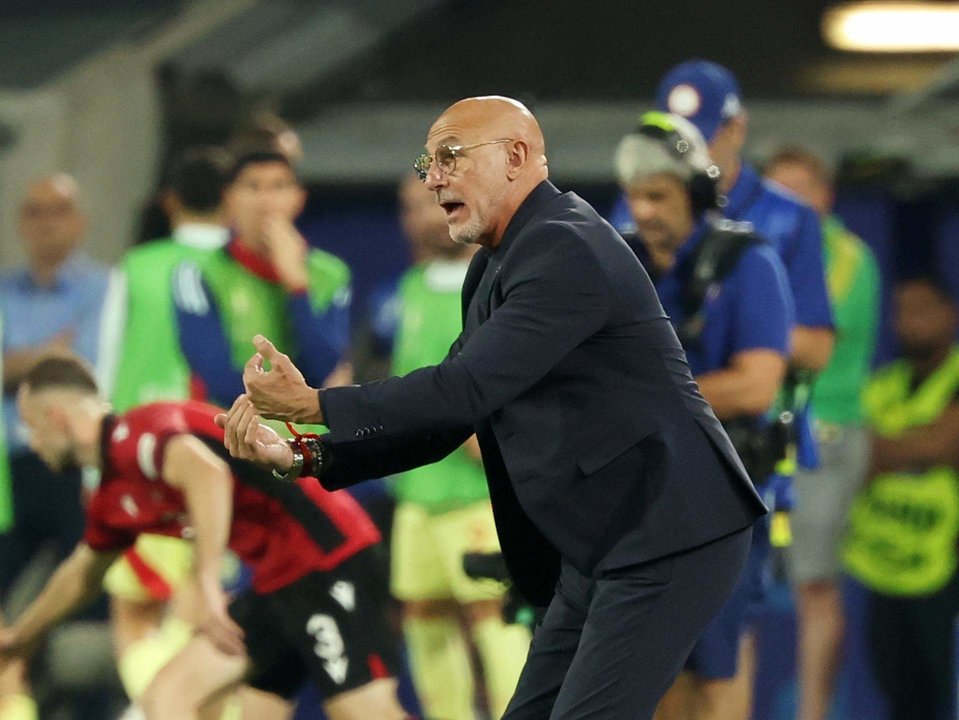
(610, 647)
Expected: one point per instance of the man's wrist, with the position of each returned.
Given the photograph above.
(310, 410)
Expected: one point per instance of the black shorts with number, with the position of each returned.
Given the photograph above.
(328, 627)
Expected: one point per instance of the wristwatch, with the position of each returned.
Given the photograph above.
(295, 469)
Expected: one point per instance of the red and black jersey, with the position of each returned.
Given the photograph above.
(282, 530)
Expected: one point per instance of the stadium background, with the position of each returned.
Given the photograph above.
(109, 90)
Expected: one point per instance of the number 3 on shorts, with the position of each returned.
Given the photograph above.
(329, 646)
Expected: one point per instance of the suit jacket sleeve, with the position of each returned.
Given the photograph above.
(554, 297)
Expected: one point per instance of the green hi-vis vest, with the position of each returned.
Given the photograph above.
(249, 305)
(431, 318)
(151, 366)
(6, 495)
(904, 526)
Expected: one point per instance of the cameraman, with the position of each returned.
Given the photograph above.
(726, 293)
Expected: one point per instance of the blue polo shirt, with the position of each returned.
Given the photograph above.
(794, 230)
(750, 309)
(33, 314)
(789, 226)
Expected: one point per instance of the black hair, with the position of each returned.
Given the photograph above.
(61, 370)
(932, 279)
(262, 132)
(197, 178)
(257, 157)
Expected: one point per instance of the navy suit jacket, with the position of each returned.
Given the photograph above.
(597, 445)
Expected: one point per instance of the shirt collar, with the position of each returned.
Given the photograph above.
(540, 196)
(255, 264)
(203, 236)
(63, 278)
(744, 192)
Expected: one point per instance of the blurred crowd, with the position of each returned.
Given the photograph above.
(777, 304)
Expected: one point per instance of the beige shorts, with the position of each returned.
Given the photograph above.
(427, 553)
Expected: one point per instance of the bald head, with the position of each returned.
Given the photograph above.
(51, 223)
(500, 157)
(478, 119)
(498, 116)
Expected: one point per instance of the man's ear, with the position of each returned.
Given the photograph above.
(517, 155)
(301, 199)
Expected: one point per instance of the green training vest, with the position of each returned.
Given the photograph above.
(249, 304)
(904, 526)
(431, 318)
(151, 365)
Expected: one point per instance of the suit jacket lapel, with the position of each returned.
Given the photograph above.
(475, 291)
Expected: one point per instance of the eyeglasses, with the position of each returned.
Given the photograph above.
(445, 157)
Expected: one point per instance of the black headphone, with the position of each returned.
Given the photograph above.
(703, 186)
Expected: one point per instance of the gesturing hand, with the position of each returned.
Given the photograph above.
(280, 392)
(246, 438)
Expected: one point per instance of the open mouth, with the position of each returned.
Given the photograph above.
(451, 208)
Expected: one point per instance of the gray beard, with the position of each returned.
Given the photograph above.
(470, 233)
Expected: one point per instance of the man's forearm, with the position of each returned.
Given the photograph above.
(920, 448)
(74, 584)
(811, 347)
(734, 393)
(209, 500)
(916, 450)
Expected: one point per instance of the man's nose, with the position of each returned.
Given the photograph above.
(435, 178)
(643, 210)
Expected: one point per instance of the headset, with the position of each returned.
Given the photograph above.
(703, 186)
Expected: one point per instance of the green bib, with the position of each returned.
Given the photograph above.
(853, 281)
(249, 304)
(430, 320)
(904, 526)
(151, 366)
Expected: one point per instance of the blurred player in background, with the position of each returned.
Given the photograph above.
(266, 277)
(443, 510)
(143, 363)
(310, 612)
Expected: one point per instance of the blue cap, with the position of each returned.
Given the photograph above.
(703, 92)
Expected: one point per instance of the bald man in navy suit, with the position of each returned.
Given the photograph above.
(618, 497)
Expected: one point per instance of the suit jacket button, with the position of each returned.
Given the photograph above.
(357, 433)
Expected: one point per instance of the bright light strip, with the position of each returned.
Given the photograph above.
(893, 27)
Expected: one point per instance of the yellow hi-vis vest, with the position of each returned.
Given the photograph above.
(904, 526)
